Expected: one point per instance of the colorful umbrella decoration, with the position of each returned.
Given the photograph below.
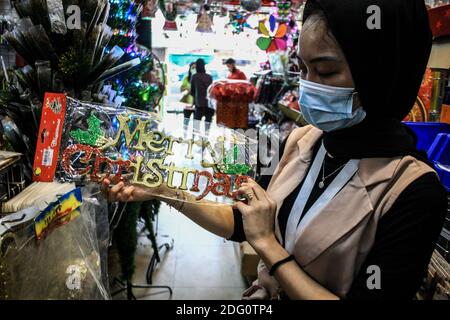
(273, 35)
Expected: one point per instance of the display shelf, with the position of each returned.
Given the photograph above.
(12, 180)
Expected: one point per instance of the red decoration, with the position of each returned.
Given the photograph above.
(209, 186)
(233, 91)
(440, 20)
(233, 98)
(89, 153)
(223, 186)
(66, 162)
(50, 131)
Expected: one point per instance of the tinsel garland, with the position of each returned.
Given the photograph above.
(131, 87)
(137, 93)
(122, 21)
(74, 66)
(125, 238)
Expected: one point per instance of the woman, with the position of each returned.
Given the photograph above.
(199, 87)
(187, 98)
(353, 209)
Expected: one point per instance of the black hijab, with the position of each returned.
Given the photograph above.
(387, 65)
(200, 66)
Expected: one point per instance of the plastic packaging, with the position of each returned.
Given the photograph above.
(67, 264)
(56, 16)
(100, 141)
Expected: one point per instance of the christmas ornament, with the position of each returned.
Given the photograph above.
(149, 9)
(204, 21)
(251, 5)
(169, 10)
(273, 35)
(283, 10)
(218, 9)
(232, 98)
(92, 135)
(130, 145)
(238, 22)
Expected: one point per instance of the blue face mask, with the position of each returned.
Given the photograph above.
(328, 108)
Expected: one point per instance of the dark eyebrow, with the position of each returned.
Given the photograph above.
(325, 58)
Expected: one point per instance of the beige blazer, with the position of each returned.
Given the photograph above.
(332, 248)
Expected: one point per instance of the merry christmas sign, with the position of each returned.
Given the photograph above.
(89, 142)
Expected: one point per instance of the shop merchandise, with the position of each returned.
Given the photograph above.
(169, 10)
(66, 264)
(204, 21)
(232, 98)
(37, 194)
(273, 35)
(94, 96)
(124, 144)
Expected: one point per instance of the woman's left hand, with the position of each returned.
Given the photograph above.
(258, 215)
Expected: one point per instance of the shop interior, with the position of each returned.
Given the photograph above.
(126, 61)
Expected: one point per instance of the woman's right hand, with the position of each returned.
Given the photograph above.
(126, 193)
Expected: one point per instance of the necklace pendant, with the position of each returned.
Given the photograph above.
(321, 184)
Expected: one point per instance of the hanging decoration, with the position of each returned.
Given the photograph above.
(187, 7)
(218, 9)
(250, 5)
(273, 35)
(289, 12)
(283, 10)
(149, 9)
(169, 11)
(204, 20)
(238, 21)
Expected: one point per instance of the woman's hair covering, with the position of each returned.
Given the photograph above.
(387, 59)
(200, 66)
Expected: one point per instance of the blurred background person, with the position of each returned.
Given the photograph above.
(187, 99)
(235, 73)
(200, 82)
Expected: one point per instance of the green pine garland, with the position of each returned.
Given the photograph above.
(126, 236)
